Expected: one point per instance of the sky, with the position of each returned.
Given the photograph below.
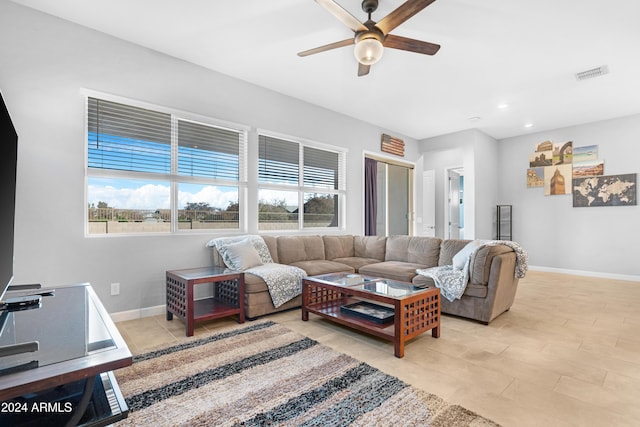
(152, 195)
(130, 194)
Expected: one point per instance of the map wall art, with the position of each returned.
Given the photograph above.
(611, 190)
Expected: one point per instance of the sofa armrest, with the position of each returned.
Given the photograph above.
(481, 263)
(502, 285)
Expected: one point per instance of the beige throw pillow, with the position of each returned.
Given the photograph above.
(463, 255)
(241, 255)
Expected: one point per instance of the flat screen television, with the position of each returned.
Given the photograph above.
(8, 162)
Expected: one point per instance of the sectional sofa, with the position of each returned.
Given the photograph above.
(490, 291)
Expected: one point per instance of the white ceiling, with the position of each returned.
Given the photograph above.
(520, 53)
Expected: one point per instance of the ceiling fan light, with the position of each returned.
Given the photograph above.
(368, 51)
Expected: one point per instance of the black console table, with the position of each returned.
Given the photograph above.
(66, 347)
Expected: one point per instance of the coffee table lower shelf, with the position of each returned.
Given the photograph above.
(412, 316)
(332, 310)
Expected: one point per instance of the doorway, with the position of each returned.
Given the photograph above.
(455, 204)
(388, 198)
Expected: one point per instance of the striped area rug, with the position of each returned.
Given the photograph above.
(265, 374)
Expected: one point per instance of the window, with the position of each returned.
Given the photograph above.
(152, 171)
(294, 177)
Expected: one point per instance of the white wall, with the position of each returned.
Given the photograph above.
(46, 62)
(478, 154)
(559, 236)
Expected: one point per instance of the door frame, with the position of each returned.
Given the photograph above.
(428, 219)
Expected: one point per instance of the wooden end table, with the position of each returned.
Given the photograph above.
(227, 299)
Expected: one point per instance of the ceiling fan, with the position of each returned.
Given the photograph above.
(372, 37)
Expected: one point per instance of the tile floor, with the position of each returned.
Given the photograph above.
(566, 354)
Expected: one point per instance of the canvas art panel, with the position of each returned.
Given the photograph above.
(611, 190)
(544, 146)
(585, 154)
(535, 177)
(541, 158)
(557, 180)
(563, 153)
(588, 168)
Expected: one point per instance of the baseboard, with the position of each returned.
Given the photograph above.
(612, 276)
(138, 314)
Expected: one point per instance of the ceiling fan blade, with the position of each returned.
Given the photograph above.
(343, 16)
(363, 70)
(411, 45)
(326, 47)
(401, 14)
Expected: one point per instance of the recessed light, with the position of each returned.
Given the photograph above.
(528, 125)
(475, 119)
(503, 106)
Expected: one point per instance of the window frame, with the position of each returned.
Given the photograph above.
(173, 178)
(300, 188)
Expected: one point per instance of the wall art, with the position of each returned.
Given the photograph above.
(611, 190)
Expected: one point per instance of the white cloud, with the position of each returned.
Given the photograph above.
(218, 197)
(147, 196)
(127, 194)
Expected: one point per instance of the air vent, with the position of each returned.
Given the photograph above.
(595, 72)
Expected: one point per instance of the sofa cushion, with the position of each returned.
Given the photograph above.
(370, 247)
(316, 267)
(292, 249)
(396, 270)
(421, 250)
(478, 291)
(472, 290)
(254, 284)
(449, 248)
(338, 247)
(356, 262)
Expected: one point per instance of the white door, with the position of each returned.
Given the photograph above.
(429, 203)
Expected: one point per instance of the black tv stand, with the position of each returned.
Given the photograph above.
(61, 355)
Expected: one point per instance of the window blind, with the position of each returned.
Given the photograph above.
(207, 151)
(321, 168)
(278, 161)
(128, 138)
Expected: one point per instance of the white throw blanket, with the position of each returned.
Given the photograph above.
(283, 281)
(453, 282)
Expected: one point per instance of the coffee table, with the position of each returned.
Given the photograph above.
(365, 303)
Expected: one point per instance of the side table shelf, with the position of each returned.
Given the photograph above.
(227, 299)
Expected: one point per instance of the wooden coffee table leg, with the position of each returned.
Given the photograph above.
(305, 300)
(435, 332)
(398, 347)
